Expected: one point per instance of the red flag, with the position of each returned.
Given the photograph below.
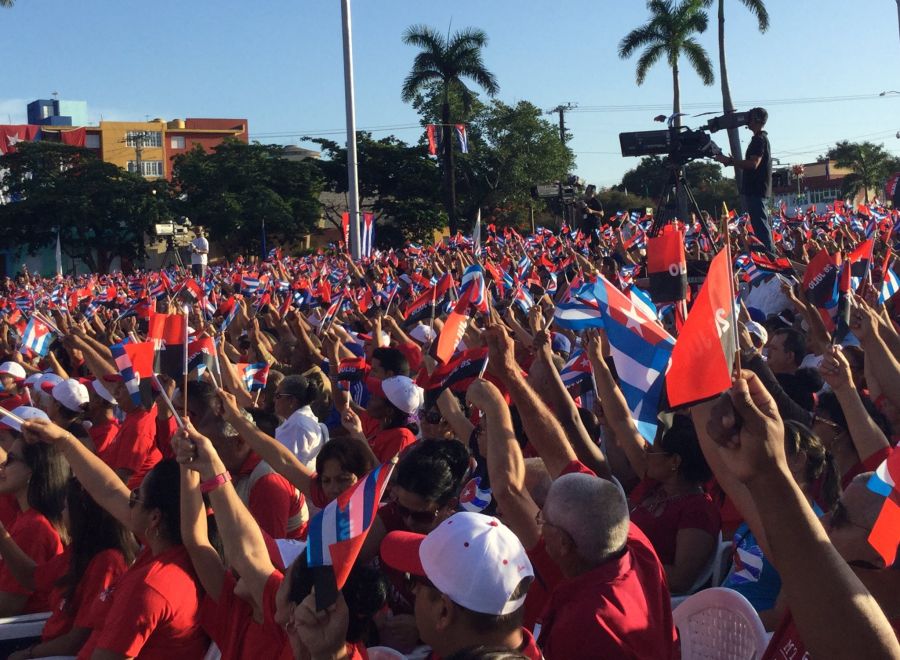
(667, 265)
(168, 328)
(141, 356)
(703, 357)
(454, 327)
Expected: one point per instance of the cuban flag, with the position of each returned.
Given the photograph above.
(249, 284)
(368, 234)
(890, 286)
(523, 268)
(580, 311)
(126, 355)
(642, 299)
(885, 534)
(253, 376)
(576, 373)
(463, 138)
(523, 299)
(473, 276)
(473, 497)
(337, 532)
(640, 349)
(37, 337)
(330, 313)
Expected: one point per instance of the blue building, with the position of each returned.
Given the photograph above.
(54, 112)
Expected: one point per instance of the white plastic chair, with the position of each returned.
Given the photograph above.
(703, 579)
(23, 626)
(384, 653)
(719, 623)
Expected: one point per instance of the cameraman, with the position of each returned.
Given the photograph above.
(591, 213)
(199, 253)
(757, 182)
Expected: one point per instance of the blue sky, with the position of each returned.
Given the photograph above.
(278, 63)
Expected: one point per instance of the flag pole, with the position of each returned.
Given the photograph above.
(734, 330)
(187, 311)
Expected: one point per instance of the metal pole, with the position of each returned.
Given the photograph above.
(352, 178)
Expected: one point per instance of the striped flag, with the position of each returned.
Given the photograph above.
(337, 532)
(885, 534)
(463, 138)
(253, 376)
(890, 285)
(38, 337)
(576, 373)
(368, 234)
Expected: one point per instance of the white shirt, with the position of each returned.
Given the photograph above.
(201, 249)
(302, 434)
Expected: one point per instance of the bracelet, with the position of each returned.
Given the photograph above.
(215, 482)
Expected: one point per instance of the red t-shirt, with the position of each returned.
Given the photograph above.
(38, 539)
(868, 464)
(9, 509)
(387, 443)
(103, 434)
(134, 447)
(621, 609)
(787, 645)
(165, 429)
(662, 523)
(11, 402)
(104, 569)
(413, 354)
(229, 623)
(153, 610)
(272, 501)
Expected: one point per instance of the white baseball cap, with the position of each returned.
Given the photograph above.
(71, 395)
(422, 333)
(402, 392)
(49, 381)
(101, 391)
(755, 328)
(13, 369)
(476, 560)
(25, 413)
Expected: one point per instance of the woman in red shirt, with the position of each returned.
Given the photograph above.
(100, 551)
(152, 610)
(36, 475)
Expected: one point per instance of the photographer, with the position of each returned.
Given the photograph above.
(199, 252)
(591, 212)
(757, 182)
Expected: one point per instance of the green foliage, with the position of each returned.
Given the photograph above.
(100, 210)
(614, 200)
(871, 165)
(237, 187)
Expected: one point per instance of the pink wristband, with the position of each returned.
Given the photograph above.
(215, 482)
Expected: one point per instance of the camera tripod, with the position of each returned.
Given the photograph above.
(676, 200)
(172, 255)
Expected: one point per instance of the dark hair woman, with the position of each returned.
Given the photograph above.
(36, 476)
(99, 552)
(394, 402)
(153, 609)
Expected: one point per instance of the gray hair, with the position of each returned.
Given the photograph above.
(592, 511)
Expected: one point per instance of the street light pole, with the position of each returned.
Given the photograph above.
(349, 102)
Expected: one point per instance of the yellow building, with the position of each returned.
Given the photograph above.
(123, 143)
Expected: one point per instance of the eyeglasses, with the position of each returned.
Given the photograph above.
(10, 459)
(840, 517)
(414, 581)
(135, 498)
(421, 517)
(541, 521)
(281, 395)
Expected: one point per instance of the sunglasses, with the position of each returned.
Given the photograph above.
(10, 459)
(135, 498)
(421, 517)
(414, 581)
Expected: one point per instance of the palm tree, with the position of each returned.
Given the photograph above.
(870, 164)
(758, 9)
(669, 33)
(447, 61)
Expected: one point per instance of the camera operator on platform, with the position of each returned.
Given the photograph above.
(199, 252)
(757, 182)
(591, 212)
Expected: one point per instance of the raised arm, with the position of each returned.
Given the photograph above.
(506, 467)
(543, 431)
(836, 617)
(195, 536)
(456, 418)
(865, 325)
(244, 544)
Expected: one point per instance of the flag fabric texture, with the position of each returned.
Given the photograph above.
(368, 234)
(168, 331)
(576, 373)
(885, 534)
(37, 337)
(703, 357)
(667, 265)
(463, 138)
(253, 376)
(337, 532)
(890, 285)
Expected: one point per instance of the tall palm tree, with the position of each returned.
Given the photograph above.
(758, 9)
(448, 61)
(670, 33)
(870, 163)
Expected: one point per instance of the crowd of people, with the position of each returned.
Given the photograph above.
(528, 515)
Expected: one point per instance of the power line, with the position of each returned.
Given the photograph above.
(717, 104)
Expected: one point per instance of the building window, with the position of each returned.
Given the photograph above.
(149, 167)
(143, 138)
(177, 142)
(92, 141)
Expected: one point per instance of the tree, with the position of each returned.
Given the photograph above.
(100, 210)
(758, 9)
(871, 165)
(669, 33)
(512, 149)
(448, 61)
(238, 189)
(710, 188)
